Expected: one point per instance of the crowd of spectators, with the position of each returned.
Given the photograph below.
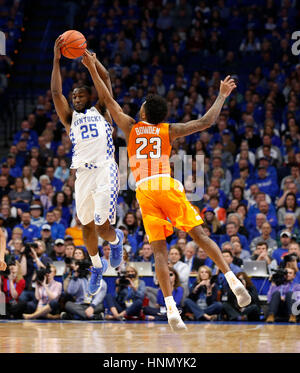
(251, 204)
(11, 23)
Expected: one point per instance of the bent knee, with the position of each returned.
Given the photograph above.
(102, 229)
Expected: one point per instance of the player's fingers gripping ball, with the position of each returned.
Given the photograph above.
(74, 44)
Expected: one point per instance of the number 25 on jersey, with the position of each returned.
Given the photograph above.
(89, 130)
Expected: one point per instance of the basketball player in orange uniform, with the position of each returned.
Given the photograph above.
(161, 198)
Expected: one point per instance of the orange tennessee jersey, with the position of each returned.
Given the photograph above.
(149, 150)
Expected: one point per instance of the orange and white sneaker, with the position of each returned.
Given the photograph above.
(242, 295)
(175, 321)
(238, 289)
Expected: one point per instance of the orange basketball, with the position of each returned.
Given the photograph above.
(74, 44)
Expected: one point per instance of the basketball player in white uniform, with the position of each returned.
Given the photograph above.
(97, 179)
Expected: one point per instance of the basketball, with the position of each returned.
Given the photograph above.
(74, 44)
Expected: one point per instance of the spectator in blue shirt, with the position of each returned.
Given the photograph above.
(222, 283)
(26, 133)
(14, 170)
(263, 208)
(285, 239)
(271, 170)
(266, 183)
(204, 258)
(158, 312)
(59, 201)
(130, 221)
(30, 231)
(145, 253)
(255, 230)
(57, 230)
(232, 230)
(55, 182)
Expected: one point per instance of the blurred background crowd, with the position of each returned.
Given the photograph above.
(251, 202)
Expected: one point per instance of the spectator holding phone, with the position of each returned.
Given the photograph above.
(13, 286)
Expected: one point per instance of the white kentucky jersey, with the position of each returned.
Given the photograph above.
(91, 136)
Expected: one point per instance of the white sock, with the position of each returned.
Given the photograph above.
(232, 279)
(115, 242)
(170, 303)
(96, 261)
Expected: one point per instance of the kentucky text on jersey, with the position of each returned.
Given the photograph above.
(87, 119)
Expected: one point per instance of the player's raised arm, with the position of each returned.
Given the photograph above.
(185, 129)
(122, 120)
(104, 75)
(60, 102)
(2, 250)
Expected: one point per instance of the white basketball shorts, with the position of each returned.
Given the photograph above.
(96, 193)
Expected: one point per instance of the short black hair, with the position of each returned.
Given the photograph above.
(85, 87)
(156, 109)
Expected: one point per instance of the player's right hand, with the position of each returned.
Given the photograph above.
(58, 44)
(88, 59)
(3, 265)
(226, 86)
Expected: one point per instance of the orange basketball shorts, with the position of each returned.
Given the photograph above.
(164, 205)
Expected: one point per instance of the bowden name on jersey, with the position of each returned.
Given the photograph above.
(91, 136)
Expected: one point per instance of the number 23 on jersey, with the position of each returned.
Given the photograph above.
(155, 142)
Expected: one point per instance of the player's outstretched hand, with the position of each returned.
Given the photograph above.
(88, 59)
(58, 44)
(2, 265)
(227, 86)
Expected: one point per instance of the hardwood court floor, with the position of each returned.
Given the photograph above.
(118, 337)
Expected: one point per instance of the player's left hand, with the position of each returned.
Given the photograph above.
(3, 265)
(88, 59)
(227, 86)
